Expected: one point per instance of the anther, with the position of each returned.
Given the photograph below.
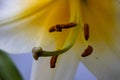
(87, 51)
(55, 28)
(69, 25)
(86, 31)
(53, 61)
(59, 27)
(37, 51)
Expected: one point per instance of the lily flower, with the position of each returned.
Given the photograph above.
(70, 31)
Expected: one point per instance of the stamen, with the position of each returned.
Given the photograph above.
(87, 51)
(59, 27)
(86, 31)
(69, 25)
(55, 28)
(38, 52)
(53, 61)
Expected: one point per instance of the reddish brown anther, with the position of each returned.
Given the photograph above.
(59, 27)
(53, 61)
(69, 25)
(86, 31)
(55, 28)
(87, 51)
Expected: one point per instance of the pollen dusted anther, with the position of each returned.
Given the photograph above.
(86, 31)
(36, 52)
(87, 51)
(53, 61)
(59, 27)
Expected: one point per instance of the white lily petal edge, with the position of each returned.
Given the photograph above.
(20, 34)
(104, 62)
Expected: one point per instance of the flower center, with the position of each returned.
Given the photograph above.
(39, 52)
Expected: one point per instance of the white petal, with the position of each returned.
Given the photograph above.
(65, 68)
(21, 36)
(41, 70)
(10, 8)
(103, 62)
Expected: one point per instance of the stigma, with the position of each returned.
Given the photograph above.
(37, 52)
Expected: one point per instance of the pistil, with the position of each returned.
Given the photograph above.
(39, 52)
